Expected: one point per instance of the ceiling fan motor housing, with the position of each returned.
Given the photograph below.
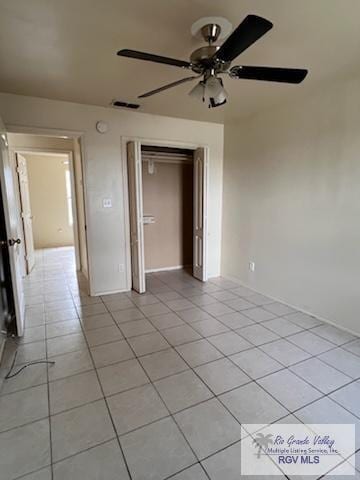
(203, 59)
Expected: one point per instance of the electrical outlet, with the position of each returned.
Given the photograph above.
(252, 266)
(121, 268)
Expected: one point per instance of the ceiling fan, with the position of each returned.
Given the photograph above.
(211, 61)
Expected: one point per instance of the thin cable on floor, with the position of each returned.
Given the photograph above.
(12, 375)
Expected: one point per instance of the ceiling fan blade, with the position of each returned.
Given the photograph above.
(269, 74)
(149, 57)
(166, 87)
(247, 33)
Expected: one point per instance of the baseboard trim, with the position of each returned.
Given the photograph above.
(295, 307)
(166, 269)
(109, 292)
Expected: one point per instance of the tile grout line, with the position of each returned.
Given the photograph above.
(84, 450)
(187, 468)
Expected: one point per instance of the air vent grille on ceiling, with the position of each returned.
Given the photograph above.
(120, 104)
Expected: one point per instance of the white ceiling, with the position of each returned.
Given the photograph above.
(66, 49)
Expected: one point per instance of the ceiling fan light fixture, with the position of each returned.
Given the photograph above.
(210, 91)
(213, 86)
(215, 93)
(198, 92)
(217, 102)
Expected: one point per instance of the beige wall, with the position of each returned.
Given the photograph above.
(167, 195)
(105, 174)
(23, 141)
(48, 197)
(292, 203)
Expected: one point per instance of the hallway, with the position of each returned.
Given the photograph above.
(155, 386)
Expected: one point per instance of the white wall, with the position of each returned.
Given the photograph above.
(104, 173)
(292, 203)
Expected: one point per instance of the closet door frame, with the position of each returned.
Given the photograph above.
(136, 214)
(126, 213)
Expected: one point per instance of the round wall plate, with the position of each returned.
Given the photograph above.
(101, 127)
(224, 24)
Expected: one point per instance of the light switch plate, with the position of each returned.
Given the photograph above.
(107, 203)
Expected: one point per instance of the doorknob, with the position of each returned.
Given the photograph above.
(13, 241)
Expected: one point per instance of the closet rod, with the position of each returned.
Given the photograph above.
(167, 158)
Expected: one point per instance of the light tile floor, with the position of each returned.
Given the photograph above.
(155, 386)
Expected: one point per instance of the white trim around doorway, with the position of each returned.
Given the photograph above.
(70, 134)
(157, 143)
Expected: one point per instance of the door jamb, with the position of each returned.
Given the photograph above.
(157, 143)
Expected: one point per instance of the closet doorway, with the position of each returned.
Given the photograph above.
(168, 210)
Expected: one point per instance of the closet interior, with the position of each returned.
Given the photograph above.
(168, 207)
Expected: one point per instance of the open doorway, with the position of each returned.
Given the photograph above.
(18, 177)
(46, 199)
(168, 218)
(48, 173)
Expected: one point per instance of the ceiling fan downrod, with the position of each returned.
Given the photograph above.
(210, 32)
